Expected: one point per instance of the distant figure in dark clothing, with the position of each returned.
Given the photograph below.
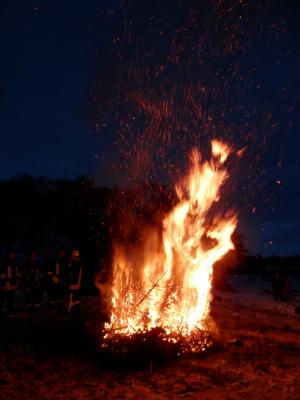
(278, 287)
(73, 279)
(286, 290)
(9, 279)
(57, 272)
(32, 280)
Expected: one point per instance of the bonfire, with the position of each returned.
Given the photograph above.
(164, 284)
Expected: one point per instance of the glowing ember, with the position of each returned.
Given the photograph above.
(165, 282)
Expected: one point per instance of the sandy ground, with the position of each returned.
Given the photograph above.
(49, 355)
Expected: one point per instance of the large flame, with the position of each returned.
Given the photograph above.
(166, 281)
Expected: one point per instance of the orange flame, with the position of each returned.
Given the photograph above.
(166, 282)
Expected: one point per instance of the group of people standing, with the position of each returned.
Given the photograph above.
(60, 278)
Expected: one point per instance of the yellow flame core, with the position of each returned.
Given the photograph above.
(168, 285)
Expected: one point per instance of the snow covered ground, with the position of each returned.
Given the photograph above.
(255, 291)
(51, 356)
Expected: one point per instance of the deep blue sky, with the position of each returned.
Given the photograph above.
(49, 61)
(46, 69)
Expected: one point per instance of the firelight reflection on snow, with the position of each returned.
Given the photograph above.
(166, 281)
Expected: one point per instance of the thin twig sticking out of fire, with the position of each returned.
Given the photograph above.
(166, 283)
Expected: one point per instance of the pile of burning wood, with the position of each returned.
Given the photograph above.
(160, 289)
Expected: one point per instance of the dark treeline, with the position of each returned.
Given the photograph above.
(44, 214)
(267, 265)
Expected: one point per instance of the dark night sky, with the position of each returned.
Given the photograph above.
(48, 65)
(46, 70)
